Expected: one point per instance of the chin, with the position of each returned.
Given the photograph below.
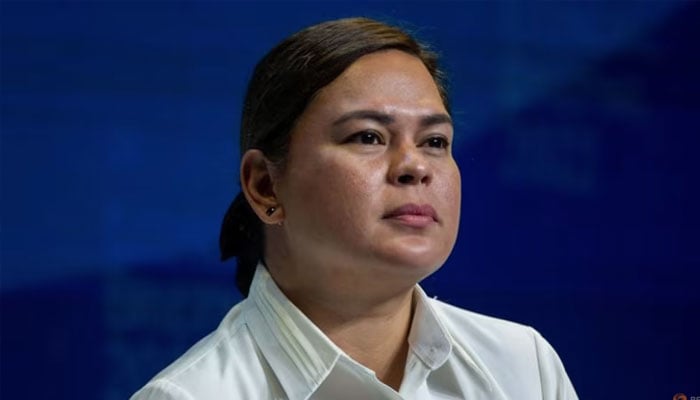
(416, 254)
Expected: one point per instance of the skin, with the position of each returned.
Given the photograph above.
(376, 138)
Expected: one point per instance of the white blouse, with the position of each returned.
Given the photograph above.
(266, 348)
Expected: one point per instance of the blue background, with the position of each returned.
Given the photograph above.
(577, 133)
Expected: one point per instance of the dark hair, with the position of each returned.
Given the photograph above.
(282, 85)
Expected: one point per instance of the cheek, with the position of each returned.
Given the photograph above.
(451, 192)
(456, 188)
(336, 191)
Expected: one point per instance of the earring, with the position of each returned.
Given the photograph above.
(270, 211)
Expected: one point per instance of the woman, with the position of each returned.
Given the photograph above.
(350, 197)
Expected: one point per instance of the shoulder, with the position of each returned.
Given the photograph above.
(224, 364)
(507, 350)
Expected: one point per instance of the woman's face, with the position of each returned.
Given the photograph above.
(370, 189)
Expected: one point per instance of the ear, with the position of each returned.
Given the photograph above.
(257, 184)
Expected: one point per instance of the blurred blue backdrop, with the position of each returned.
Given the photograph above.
(577, 125)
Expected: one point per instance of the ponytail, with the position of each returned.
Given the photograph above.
(242, 237)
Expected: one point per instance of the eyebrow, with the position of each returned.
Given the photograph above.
(387, 119)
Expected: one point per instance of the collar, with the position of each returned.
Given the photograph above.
(302, 356)
(428, 338)
(298, 352)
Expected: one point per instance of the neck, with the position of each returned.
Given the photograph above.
(368, 316)
(376, 338)
(375, 334)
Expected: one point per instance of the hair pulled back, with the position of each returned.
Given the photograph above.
(282, 85)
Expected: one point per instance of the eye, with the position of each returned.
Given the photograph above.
(437, 142)
(366, 137)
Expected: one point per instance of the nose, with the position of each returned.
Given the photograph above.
(409, 166)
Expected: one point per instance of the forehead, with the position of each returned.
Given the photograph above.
(388, 81)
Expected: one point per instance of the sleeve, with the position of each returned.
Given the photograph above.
(553, 378)
(161, 389)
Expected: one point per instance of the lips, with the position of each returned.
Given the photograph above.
(413, 215)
